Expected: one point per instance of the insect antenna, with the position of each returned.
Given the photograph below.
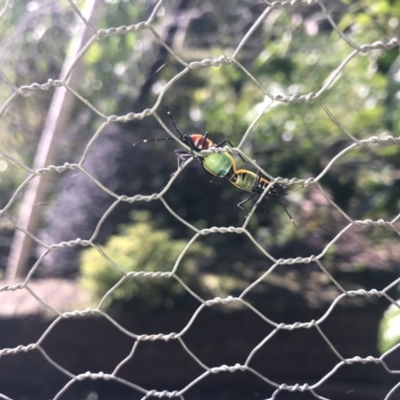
(173, 122)
(295, 190)
(168, 138)
(152, 140)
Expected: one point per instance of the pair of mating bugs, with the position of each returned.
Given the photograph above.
(222, 165)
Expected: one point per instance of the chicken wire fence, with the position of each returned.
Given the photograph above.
(355, 50)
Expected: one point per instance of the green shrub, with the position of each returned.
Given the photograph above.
(140, 246)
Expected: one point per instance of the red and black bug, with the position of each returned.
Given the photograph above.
(196, 142)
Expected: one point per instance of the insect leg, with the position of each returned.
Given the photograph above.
(287, 212)
(256, 182)
(220, 144)
(240, 205)
(209, 176)
(182, 157)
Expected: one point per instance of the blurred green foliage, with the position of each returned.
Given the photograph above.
(389, 330)
(141, 246)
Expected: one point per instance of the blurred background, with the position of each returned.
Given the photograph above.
(293, 50)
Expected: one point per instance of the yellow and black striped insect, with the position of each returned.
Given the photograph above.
(254, 183)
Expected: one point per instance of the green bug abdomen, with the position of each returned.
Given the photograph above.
(218, 164)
